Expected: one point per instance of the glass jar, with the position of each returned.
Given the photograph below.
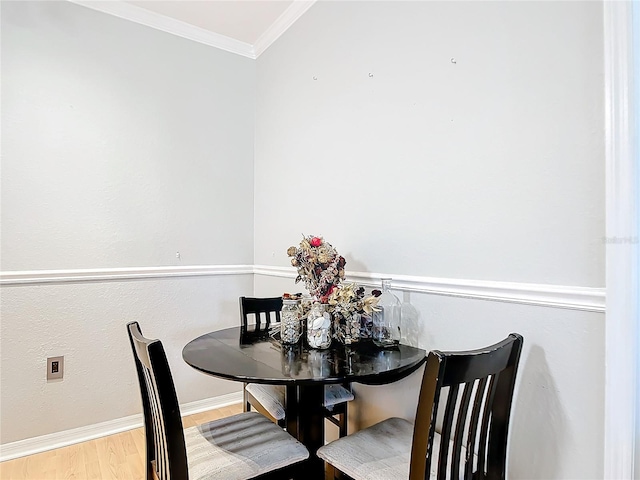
(353, 329)
(347, 328)
(290, 321)
(386, 320)
(319, 327)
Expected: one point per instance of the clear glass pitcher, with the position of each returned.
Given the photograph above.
(386, 320)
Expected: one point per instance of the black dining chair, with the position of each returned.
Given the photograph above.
(274, 401)
(240, 447)
(476, 390)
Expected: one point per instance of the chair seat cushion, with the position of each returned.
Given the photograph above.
(272, 397)
(380, 452)
(239, 447)
(334, 394)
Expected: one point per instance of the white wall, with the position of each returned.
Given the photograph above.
(556, 429)
(489, 168)
(116, 139)
(121, 146)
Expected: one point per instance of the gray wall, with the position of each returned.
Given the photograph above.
(121, 145)
(460, 141)
(490, 168)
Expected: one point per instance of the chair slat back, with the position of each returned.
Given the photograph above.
(476, 389)
(164, 437)
(264, 310)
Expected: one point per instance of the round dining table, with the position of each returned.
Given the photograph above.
(243, 355)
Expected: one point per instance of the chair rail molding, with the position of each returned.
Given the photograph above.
(622, 359)
(556, 296)
(113, 274)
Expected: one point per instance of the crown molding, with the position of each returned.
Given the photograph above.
(166, 24)
(282, 24)
(139, 15)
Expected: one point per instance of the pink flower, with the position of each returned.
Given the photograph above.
(316, 242)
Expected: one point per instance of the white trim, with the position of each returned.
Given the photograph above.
(170, 25)
(207, 404)
(622, 271)
(282, 24)
(556, 296)
(145, 17)
(43, 443)
(110, 274)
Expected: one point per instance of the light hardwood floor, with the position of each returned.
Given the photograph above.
(118, 456)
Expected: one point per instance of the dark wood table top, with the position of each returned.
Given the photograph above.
(237, 355)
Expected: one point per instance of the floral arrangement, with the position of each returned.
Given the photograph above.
(319, 265)
(321, 269)
(350, 308)
(349, 299)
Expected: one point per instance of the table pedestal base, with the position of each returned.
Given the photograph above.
(311, 429)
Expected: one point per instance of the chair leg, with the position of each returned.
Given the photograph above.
(332, 473)
(342, 420)
(329, 472)
(246, 406)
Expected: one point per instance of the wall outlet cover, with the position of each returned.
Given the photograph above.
(55, 368)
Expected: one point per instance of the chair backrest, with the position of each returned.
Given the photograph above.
(476, 389)
(264, 310)
(164, 437)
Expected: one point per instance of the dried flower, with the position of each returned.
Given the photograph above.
(321, 269)
(317, 263)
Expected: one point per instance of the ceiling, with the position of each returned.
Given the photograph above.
(243, 20)
(244, 27)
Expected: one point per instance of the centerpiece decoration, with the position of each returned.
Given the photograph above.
(341, 306)
(348, 304)
(319, 266)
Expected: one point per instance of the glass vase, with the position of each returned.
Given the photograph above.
(319, 327)
(290, 321)
(386, 320)
(347, 328)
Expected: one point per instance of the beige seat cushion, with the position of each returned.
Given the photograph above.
(239, 447)
(272, 397)
(335, 394)
(380, 452)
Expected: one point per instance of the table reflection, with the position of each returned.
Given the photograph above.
(301, 361)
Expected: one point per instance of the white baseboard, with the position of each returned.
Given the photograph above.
(43, 443)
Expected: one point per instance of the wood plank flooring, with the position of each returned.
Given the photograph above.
(118, 456)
